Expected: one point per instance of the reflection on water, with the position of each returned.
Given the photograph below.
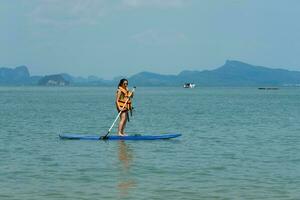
(125, 158)
(125, 155)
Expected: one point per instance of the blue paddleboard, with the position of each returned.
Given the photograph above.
(115, 137)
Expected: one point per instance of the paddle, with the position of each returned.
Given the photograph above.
(105, 136)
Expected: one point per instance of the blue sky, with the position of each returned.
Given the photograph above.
(109, 38)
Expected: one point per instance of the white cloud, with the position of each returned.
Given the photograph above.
(155, 37)
(154, 3)
(71, 12)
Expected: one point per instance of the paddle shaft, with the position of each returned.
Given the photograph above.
(105, 136)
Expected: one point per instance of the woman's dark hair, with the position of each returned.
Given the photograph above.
(122, 81)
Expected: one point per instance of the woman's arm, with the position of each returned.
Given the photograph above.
(118, 94)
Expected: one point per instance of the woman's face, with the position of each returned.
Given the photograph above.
(125, 83)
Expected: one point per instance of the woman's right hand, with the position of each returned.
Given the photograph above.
(130, 94)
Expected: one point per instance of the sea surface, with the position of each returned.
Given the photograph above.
(236, 143)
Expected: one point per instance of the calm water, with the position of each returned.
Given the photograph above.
(237, 143)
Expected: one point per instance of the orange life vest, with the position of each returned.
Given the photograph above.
(125, 94)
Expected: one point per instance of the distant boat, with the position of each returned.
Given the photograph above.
(268, 88)
(189, 85)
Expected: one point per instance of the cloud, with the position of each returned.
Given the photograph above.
(154, 3)
(72, 12)
(156, 38)
(69, 12)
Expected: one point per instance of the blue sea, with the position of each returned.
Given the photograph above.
(236, 143)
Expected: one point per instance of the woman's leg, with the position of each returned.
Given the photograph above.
(125, 121)
(122, 123)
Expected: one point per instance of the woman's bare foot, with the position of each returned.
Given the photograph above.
(122, 134)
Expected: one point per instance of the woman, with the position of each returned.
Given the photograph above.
(123, 104)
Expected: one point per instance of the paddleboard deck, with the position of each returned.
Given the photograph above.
(115, 137)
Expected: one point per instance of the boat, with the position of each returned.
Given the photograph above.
(189, 85)
(268, 88)
(116, 137)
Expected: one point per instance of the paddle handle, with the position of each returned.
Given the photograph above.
(105, 136)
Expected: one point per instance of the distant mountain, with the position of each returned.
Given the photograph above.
(232, 73)
(152, 79)
(21, 76)
(34, 80)
(235, 73)
(17, 76)
(53, 80)
(82, 81)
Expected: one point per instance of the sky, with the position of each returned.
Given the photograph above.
(111, 38)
